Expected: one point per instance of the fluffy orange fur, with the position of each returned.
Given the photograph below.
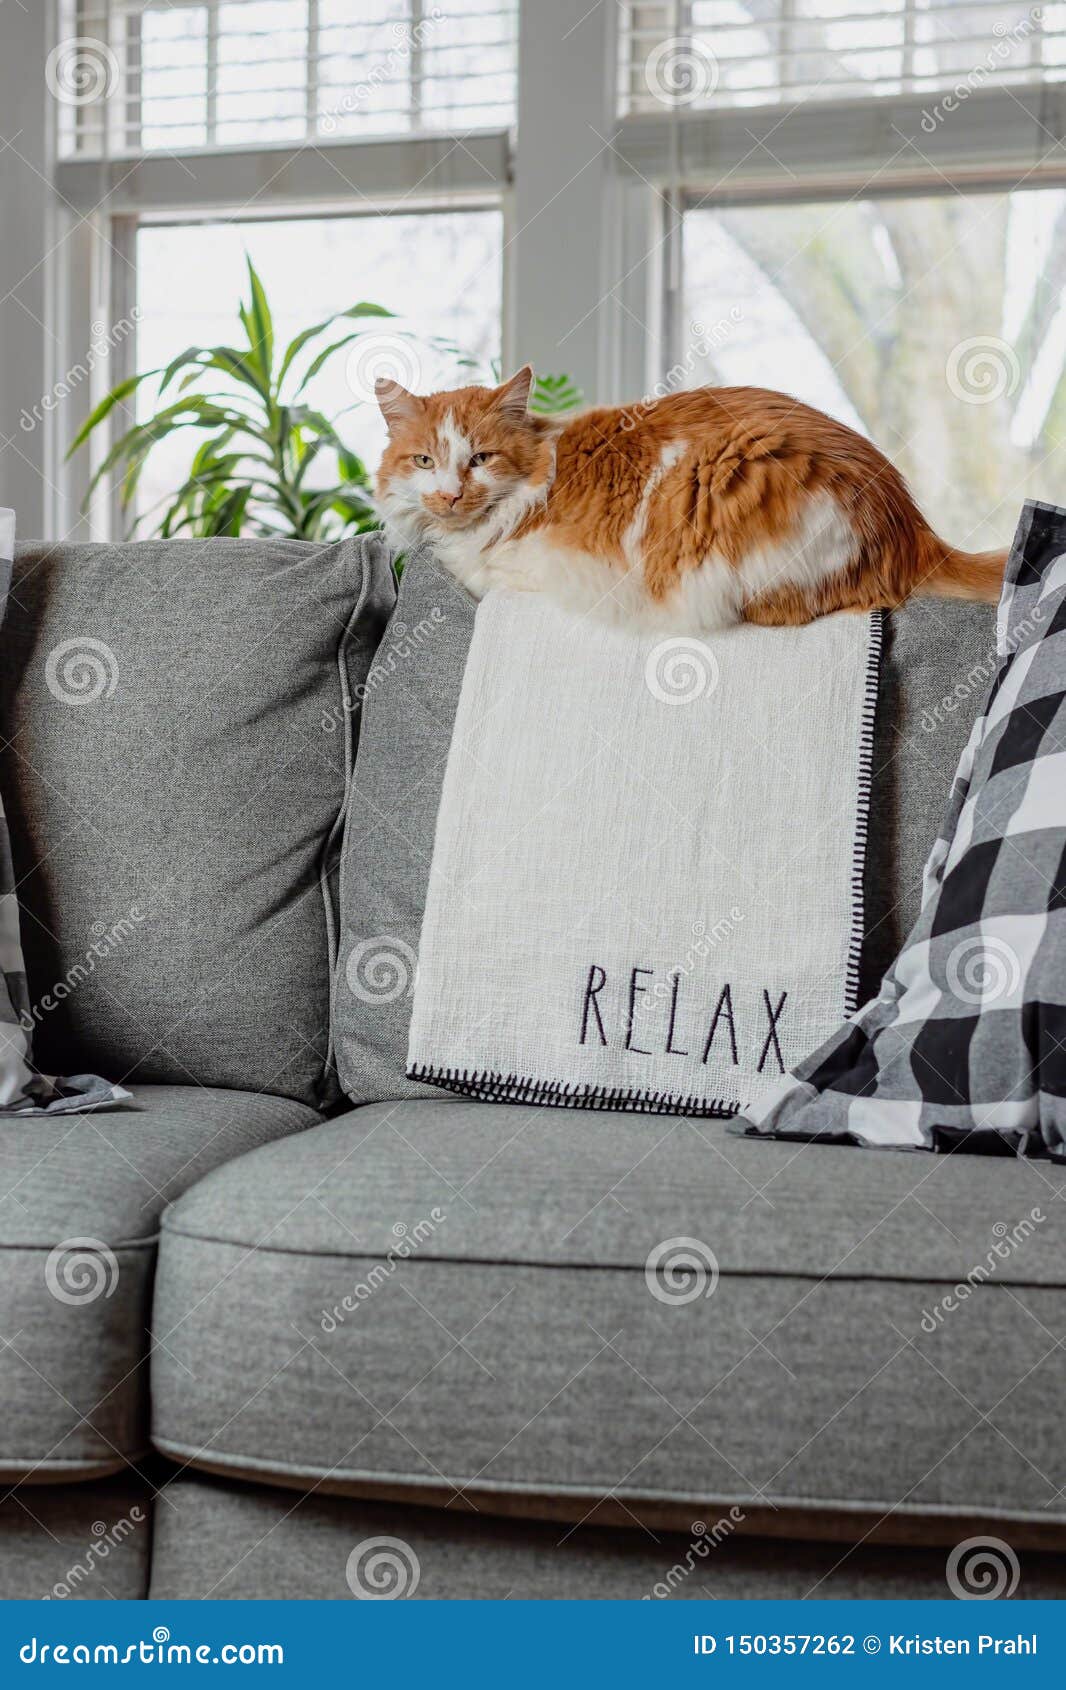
(713, 505)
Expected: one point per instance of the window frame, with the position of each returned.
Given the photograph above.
(591, 202)
(997, 141)
(566, 120)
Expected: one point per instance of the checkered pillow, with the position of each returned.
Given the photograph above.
(22, 1089)
(965, 1047)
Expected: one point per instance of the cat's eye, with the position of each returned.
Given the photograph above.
(479, 458)
(423, 460)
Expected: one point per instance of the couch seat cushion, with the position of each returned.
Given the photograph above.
(89, 1542)
(80, 1198)
(427, 1298)
(233, 1542)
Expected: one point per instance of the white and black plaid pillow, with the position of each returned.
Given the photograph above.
(965, 1046)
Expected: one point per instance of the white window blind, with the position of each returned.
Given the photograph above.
(147, 76)
(729, 53)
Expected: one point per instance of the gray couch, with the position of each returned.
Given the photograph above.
(425, 1320)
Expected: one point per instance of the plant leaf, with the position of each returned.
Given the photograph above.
(351, 467)
(296, 346)
(226, 358)
(260, 325)
(229, 515)
(191, 412)
(554, 395)
(107, 405)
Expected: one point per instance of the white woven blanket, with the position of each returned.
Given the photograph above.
(646, 883)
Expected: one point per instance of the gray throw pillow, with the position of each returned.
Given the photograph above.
(23, 1089)
(937, 661)
(177, 729)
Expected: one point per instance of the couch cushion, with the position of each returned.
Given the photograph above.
(411, 699)
(936, 665)
(180, 739)
(231, 1542)
(77, 1542)
(80, 1199)
(427, 1296)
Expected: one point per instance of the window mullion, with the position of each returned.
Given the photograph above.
(212, 73)
(313, 79)
(565, 317)
(416, 64)
(130, 106)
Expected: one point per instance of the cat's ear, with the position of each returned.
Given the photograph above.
(397, 405)
(512, 398)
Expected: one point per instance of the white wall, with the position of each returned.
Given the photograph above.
(25, 220)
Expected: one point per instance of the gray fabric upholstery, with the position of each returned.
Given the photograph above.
(178, 758)
(89, 1542)
(410, 705)
(216, 1540)
(72, 1379)
(500, 1332)
(937, 665)
(935, 669)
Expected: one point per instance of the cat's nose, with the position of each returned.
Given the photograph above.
(452, 498)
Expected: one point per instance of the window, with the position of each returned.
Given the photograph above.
(699, 53)
(859, 200)
(438, 271)
(226, 73)
(853, 208)
(354, 149)
(937, 326)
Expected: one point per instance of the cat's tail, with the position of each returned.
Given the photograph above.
(950, 574)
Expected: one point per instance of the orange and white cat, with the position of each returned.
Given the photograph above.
(694, 511)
